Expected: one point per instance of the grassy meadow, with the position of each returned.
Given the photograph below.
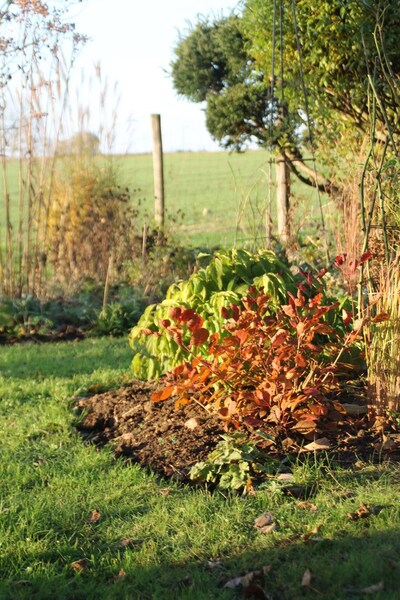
(218, 198)
(211, 198)
(156, 539)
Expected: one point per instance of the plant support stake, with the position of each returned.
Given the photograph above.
(158, 171)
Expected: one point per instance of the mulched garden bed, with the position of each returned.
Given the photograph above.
(170, 441)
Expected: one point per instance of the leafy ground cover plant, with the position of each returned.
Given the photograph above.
(235, 464)
(224, 281)
(274, 371)
(31, 317)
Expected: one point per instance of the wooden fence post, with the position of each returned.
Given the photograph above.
(158, 171)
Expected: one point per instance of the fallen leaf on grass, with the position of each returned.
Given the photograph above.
(94, 517)
(80, 566)
(373, 589)
(129, 542)
(312, 536)
(365, 511)
(307, 578)
(121, 575)
(307, 505)
(265, 523)
(248, 579)
(285, 477)
(361, 513)
(164, 491)
(214, 564)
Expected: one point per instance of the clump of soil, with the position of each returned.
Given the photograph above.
(153, 434)
(170, 441)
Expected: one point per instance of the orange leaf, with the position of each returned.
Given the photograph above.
(80, 566)
(175, 312)
(199, 337)
(121, 575)
(163, 394)
(195, 323)
(94, 517)
(289, 310)
(300, 360)
(383, 316)
(187, 314)
(182, 402)
(313, 302)
(279, 338)
(242, 335)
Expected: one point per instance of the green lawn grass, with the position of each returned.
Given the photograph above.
(50, 482)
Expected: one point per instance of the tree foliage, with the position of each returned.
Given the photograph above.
(212, 65)
(293, 74)
(342, 48)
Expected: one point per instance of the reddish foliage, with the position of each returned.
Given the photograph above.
(269, 370)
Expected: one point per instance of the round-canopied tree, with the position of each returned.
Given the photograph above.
(294, 76)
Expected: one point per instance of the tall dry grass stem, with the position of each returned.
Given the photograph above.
(383, 345)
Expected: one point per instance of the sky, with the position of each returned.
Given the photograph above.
(133, 42)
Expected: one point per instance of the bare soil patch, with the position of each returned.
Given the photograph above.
(170, 441)
(152, 434)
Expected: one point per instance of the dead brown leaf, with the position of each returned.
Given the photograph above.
(307, 505)
(265, 523)
(361, 513)
(191, 423)
(80, 566)
(214, 564)
(94, 516)
(307, 578)
(121, 575)
(164, 491)
(266, 518)
(312, 536)
(129, 542)
(248, 579)
(373, 589)
(319, 444)
(286, 477)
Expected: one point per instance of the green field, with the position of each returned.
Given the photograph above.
(211, 198)
(222, 196)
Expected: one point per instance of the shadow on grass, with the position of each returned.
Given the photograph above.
(341, 568)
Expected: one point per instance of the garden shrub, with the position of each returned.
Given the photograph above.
(276, 370)
(90, 220)
(225, 280)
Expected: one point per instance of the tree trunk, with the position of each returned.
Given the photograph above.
(282, 199)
